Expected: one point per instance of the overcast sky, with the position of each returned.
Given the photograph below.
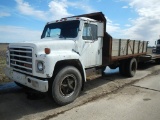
(22, 20)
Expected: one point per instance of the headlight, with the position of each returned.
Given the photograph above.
(40, 66)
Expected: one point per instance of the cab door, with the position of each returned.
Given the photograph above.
(91, 47)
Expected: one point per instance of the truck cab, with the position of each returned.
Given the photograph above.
(59, 59)
(82, 33)
(157, 49)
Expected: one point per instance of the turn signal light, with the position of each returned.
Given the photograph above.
(47, 50)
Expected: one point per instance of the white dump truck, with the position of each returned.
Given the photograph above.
(71, 51)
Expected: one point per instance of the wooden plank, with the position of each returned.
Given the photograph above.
(119, 52)
(138, 46)
(123, 47)
(127, 47)
(143, 47)
(130, 47)
(147, 46)
(115, 47)
(133, 47)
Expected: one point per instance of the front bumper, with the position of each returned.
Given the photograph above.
(34, 83)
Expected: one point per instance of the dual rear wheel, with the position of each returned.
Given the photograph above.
(128, 67)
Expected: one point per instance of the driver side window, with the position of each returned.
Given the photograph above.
(89, 32)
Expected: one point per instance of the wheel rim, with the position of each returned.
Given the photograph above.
(68, 85)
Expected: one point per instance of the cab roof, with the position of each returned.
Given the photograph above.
(97, 16)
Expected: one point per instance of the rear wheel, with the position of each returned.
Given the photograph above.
(122, 68)
(66, 86)
(131, 67)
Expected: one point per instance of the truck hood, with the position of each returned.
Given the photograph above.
(54, 45)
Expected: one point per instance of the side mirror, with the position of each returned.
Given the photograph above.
(155, 43)
(100, 31)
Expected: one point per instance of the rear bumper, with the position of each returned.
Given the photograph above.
(34, 83)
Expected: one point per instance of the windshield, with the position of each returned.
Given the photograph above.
(67, 29)
(158, 41)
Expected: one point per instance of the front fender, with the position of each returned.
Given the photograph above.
(51, 59)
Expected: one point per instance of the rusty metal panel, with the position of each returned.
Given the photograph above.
(115, 58)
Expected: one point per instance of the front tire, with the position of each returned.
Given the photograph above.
(66, 85)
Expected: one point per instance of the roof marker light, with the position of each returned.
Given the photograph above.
(64, 19)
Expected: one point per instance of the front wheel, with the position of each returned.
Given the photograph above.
(66, 86)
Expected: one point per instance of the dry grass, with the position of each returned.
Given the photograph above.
(3, 48)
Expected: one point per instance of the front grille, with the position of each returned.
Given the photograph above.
(21, 59)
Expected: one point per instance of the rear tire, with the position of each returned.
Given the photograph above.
(131, 67)
(122, 68)
(66, 86)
